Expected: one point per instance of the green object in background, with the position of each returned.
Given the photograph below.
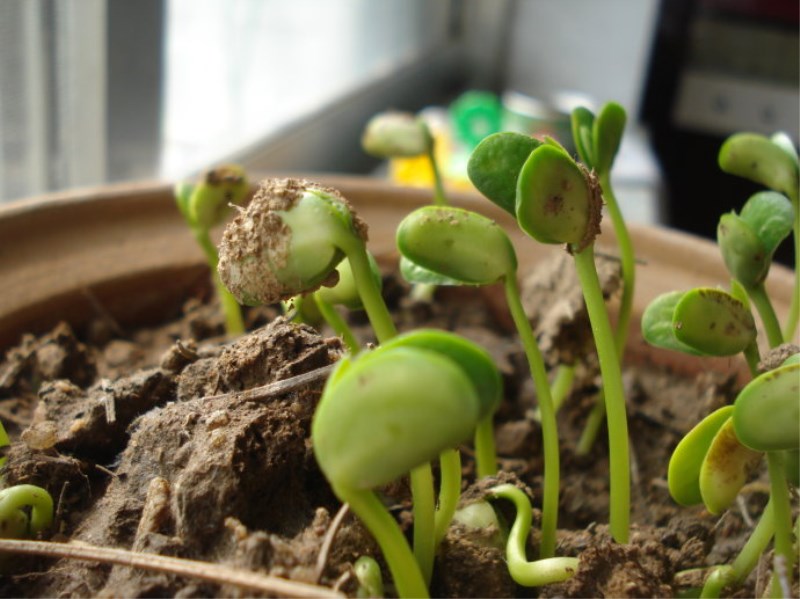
(475, 115)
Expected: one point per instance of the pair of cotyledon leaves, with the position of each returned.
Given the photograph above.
(748, 240)
(391, 409)
(713, 461)
(535, 181)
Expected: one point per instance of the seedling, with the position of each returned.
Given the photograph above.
(714, 460)
(467, 248)
(14, 501)
(370, 579)
(771, 162)
(557, 201)
(597, 140)
(529, 573)
(748, 241)
(403, 135)
(344, 293)
(289, 240)
(388, 412)
(206, 205)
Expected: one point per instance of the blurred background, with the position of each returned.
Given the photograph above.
(106, 91)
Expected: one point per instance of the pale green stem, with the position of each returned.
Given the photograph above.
(337, 323)
(485, 453)
(628, 267)
(619, 459)
(756, 544)
(449, 492)
(759, 297)
(234, 323)
(794, 310)
(592, 427)
(24, 496)
(627, 262)
(548, 415)
(753, 357)
(539, 572)
(377, 312)
(405, 570)
(782, 514)
(562, 384)
(424, 509)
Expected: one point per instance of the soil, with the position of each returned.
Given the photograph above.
(146, 441)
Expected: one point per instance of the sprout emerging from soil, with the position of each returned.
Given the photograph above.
(403, 135)
(559, 201)
(15, 502)
(526, 573)
(389, 412)
(598, 140)
(206, 205)
(370, 580)
(463, 247)
(289, 240)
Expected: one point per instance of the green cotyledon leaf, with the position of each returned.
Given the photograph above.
(389, 411)
(495, 163)
(475, 361)
(458, 244)
(766, 412)
(683, 472)
(657, 327)
(713, 322)
(725, 469)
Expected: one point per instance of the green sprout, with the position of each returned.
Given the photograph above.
(772, 162)
(467, 248)
(402, 135)
(389, 412)
(206, 205)
(289, 240)
(715, 459)
(559, 201)
(597, 140)
(529, 573)
(370, 579)
(25, 510)
(344, 293)
(748, 241)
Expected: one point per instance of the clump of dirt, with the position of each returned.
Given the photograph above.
(166, 441)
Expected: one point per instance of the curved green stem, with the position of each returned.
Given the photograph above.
(769, 319)
(337, 323)
(753, 357)
(794, 310)
(782, 515)
(592, 427)
(439, 196)
(234, 323)
(548, 415)
(22, 496)
(449, 492)
(628, 267)
(377, 312)
(627, 262)
(536, 573)
(485, 453)
(562, 384)
(424, 510)
(746, 561)
(619, 459)
(404, 567)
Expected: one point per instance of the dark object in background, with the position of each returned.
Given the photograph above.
(718, 67)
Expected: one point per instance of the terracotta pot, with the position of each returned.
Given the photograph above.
(125, 250)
